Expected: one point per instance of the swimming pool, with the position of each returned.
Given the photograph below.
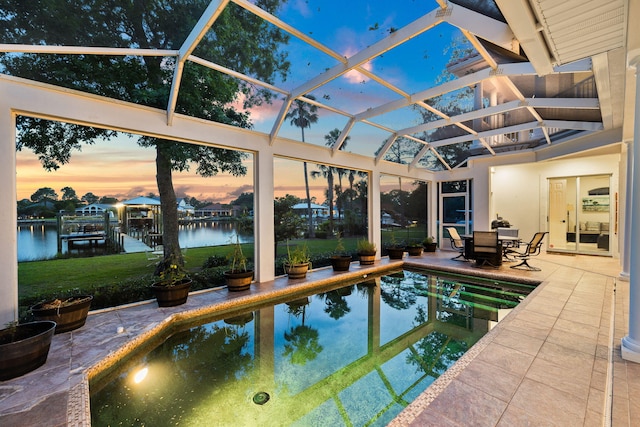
(356, 355)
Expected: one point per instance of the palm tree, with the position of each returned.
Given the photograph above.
(302, 115)
(331, 138)
(328, 171)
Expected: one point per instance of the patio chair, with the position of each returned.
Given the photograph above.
(457, 244)
(533, 249)
(486, 248)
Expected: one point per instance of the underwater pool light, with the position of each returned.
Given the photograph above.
(140, 375)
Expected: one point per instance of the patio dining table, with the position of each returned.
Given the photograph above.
(506, 242)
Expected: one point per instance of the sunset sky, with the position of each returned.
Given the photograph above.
(121, 169)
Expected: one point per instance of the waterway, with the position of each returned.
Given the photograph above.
(40, 241)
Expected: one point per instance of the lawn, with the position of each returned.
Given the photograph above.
(36, 278)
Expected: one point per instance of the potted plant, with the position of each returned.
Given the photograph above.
(394, 248)
(430, 244)
(415, 248)
(24, 347)
(238, 277)
(366, 252)
(172, 286)
(298, 262)
(68, 313)
(340, 260)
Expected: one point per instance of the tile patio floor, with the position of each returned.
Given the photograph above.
(554, 361)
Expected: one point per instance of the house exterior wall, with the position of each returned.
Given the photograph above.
(515, 187)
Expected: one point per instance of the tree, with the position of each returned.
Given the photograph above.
(239, 39)
(69, 193)
(302, 115)
(90, 198)
(328, 171)
(287, 223)
(106, 200)
(44, 194)
(245, 200)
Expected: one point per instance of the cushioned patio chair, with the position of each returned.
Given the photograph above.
(486, 249)
(457, 244)
(533, 249)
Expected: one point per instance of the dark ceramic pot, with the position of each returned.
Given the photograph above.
(341, 262)
(395, 253)
(430, 247)
(414, 250)
(170, 296)
(24, 348)
(72, 315)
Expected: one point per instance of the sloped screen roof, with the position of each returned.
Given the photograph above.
(424, 83)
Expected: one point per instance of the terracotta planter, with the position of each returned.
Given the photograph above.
(170, 296)
(367, 258)
(296, 271)
(395, 253)
(238, 280)
(72, 315)
(341, 262)
(414, 250)
(24, 349)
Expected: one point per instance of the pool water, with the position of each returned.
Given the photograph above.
(354, 356)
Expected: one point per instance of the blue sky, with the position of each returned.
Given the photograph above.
(347, 27)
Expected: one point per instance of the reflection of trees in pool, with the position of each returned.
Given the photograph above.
(436, 352)
(303, 344)
(182, 370)
(395, 292)
(303, 340)
(336, 305)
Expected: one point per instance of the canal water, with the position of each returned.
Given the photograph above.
(40, 241)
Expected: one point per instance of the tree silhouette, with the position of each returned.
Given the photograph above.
(146, 80)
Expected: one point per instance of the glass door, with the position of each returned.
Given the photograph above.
(455, 211)
(579, 214)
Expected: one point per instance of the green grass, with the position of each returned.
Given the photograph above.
(123, 278)
(60, 275)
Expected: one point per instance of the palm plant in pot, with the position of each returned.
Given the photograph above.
(68, 313)
(172, 284)
(238, 277)
(394, 248)
(298, 262)
(24, 347)
(366, 252)
(340, 260)
(430, 244)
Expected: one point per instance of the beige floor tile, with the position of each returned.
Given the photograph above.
(577, 328)
(547, 402)
(568, 339)
(517, 341)
(572, 380)
(468, 406)
(512, 361)
(566, 357)
(491, 379)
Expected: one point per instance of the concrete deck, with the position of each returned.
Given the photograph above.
(554, 361)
